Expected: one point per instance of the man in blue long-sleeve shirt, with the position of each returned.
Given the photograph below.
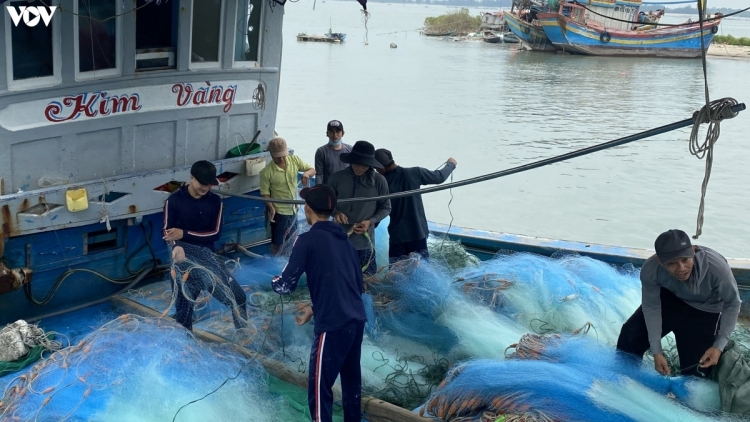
(408, 230)
(334, 278)
(192, 223)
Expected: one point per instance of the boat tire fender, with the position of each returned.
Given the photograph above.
(714, 29)
(525, 30)
(605, 37)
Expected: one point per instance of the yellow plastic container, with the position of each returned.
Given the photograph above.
(77, 200)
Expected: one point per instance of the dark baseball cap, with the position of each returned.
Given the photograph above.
(204, 172)
(335, 125)
(384, 157)
(321, 198)
(673, 244)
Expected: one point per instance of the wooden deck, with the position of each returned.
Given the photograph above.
(317, 38)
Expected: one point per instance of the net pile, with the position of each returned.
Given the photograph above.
(135, 368)
(561, 378)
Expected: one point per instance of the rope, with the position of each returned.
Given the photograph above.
(536, 164)
(712, 113)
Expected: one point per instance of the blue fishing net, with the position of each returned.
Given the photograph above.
(556, 294)
(135, 368)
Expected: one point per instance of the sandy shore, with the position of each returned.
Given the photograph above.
(729, 51)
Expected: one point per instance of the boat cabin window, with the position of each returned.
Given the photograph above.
(98, 36)
(155, 34)
(206, 32)
(32, 44)
(247, 36)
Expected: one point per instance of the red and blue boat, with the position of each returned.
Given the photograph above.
(619, 28)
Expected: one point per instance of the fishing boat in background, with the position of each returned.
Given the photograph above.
(492, 37)
(619, 28)
(493, 21)
(523, 22)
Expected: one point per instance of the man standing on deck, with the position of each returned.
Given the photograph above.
(192, 223)
(358, 219)
(408, 230)
(334, 277)
(690, 291)
(328, 157)
(278, 180)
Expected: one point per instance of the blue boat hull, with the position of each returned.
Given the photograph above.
(533, 37)
(49, 254)
(683, 41)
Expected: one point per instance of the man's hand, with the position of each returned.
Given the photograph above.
(711, 357)
(306, 177)
(305, 315)
(170, 235)
(362, 226)
(340, 218)
(452, 160)
(661, 365)
(271, 212)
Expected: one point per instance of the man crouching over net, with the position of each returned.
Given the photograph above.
(192, 223)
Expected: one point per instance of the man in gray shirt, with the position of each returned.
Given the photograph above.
(359, 219)
(690, 291)
(328, 157)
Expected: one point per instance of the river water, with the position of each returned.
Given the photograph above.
(492, 107)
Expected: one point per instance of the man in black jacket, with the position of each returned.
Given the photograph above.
(408, 227)
(192, 223)
(334, 278)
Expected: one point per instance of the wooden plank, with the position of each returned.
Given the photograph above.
(375, 410)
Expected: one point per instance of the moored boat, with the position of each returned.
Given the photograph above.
(620, 29)
(523, 22)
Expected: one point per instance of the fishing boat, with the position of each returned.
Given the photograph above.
(493, 21)
(491, 37)
(94, 143)
(523, 22)
(615, 29)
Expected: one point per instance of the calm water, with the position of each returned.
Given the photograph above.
(492, 108)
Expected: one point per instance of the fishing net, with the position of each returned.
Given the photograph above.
(136, 368)
(425, 315)
(557, 294)
(561, 378)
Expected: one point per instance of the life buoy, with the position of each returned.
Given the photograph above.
(714, 29)
(605, 37)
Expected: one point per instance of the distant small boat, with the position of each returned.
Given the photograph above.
(492, 38)
(318, 38)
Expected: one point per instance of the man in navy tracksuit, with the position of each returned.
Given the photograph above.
(192, 223)
(334, 277)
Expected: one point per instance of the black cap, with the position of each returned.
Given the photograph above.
(204, 172)
(673, 244)
(321, 198)
(335, 125)
(384, 157)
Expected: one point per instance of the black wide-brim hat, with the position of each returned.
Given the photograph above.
(363, 153)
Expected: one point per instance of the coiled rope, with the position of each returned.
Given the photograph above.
(712, 113)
